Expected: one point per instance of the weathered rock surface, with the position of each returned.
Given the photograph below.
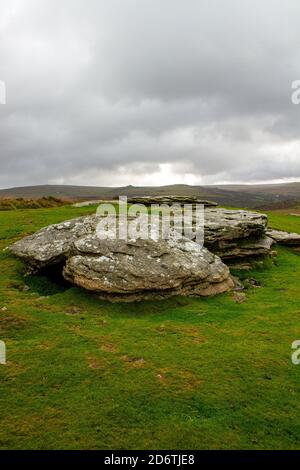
(223, 224)
(227, 233)
(181, 200)
(244, 248)
(145, 269)
(284, 238)
(236, 233)
(52, 244)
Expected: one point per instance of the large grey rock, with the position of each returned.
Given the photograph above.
(284, 238)
(181, 200)
(121, 270)
(145, 269)
(51, 245)
(227, 233)
(148, 269)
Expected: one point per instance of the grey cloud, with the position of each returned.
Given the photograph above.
(134, 91)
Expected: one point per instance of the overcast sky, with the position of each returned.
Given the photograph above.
(148, 92)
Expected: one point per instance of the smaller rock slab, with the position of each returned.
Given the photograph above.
(284, 238)
(170, 200)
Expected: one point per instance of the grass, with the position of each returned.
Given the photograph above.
(280, 221)
(182, 373)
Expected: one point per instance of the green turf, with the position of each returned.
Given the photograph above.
(178, 374)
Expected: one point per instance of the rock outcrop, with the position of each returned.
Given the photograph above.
(223, 224)
(284, 238)
(235, 234)
(227, 233)
(244, 248)
(52, 244)
(145, 269)
(170, 200)
(121, 270)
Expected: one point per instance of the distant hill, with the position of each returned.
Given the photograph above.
(291, 190)
(251, 196)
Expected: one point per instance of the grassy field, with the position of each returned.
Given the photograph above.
(178, 374)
